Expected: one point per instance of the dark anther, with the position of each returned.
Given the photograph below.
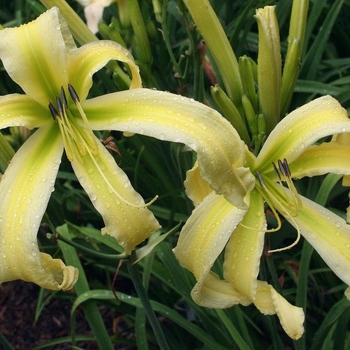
(282, 167)
(53, 111)
(73, 93)
(59, 106)
(276, 171)
(286, 167)
(260, 179)
(64, 98)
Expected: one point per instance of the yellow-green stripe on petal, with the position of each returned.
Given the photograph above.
(110, 191)
(328, 234)
(22, 110)
(25, 190)
(206, 233)
(329, 157)
(37, 62)
(244, 249)
(178, 119)
(302, 128)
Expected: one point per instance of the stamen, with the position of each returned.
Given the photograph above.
(261, 181)
(64, 98)
(53, 111)
(91, 139)
(283, 166)
(276, 171)
(73, 94)
(59, 106)
(291, 245)
(113, 189)
(286, 166)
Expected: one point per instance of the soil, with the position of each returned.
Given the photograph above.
(18, 302)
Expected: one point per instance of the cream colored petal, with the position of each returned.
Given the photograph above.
(220, 152)
(244, 249)
(269, 302)
(25, 190)
(35, 56)
(91, 57)
(328, 234)
(201, 240)
(302, 128)
(196, 188)
(329, 157)
(22, 110)
(206, 233)
(217, 294)
(109, 188)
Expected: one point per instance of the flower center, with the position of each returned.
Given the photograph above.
(78, 137)
(281, 196)
(77, 134)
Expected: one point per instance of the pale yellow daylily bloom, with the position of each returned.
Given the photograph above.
(216, 224)
(93, 10)
(42, 58)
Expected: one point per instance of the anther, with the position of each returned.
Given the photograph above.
(286, 167)
(53, 111)
(59, 106)
(64, 98)
(260, 179)
(73, 94)
(276, 171)
(282, 168)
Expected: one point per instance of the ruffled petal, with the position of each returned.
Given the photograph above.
(202, 239)
(109, 190)
(302, 128)
(244, 249)
(196, 188)
(215, 293)
(206, 233)
(22, 110)
(329, 157)
(35, 55)
(328, 234)
(269, 302)
(220, 151)
(91, 57)
(25, 190)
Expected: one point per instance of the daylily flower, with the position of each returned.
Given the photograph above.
(217, 224)
(55, 75)
(93, 10)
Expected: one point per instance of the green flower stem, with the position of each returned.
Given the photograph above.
(6, 153)
(295, 48)
(219, 46)
(77, 26)
(140, 31)
(237, 338)
(269, 66)
(141, 292)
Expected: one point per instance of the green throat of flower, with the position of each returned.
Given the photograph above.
(78, 137)
(281, 196)
(77, 134)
